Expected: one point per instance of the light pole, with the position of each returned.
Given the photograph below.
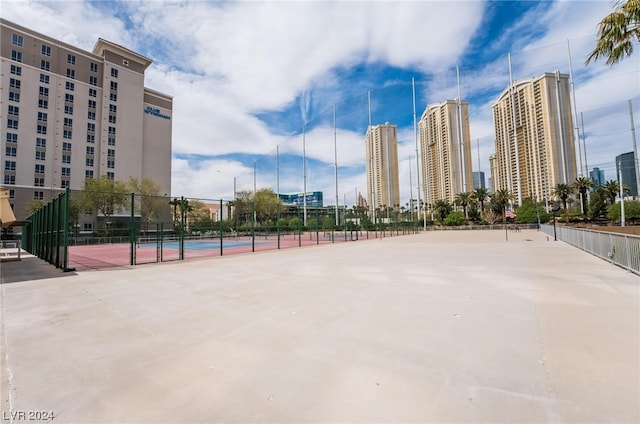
(554, 210)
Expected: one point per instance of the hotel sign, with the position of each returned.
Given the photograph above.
(155, 112)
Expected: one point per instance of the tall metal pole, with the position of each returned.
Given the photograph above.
(622, 223)
(575, 113)
(461, 161)
(479, 169)
(584, 144)
(304, 177)
(254, 194)
(635, 149)
(563, 162)
(278, 193)
(335, 156)
(415, 134)
(515, 132)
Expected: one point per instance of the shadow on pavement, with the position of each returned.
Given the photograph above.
(28, 269)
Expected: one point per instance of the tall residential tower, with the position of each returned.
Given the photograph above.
(535, 148)
(383, 182)
(446, 151)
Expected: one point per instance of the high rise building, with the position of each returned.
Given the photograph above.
(626, 168)
(478, 180)
(597, 176)
(534, 115)
(446, 151)
(71, 114)
(383, 182)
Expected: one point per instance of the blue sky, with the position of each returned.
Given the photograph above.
(246, 76)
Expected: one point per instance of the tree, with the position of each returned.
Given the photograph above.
(529, 212)
(463, 199)
(104, 196)
(581, 185)
(442, 208)
(481, 195)
(617, 33)
(631, 211)
(563, 191)
(454, 219)
(33, 205)
(502, 197)
(149, 204)
(612, 189)
(267, 204)
(598, 204)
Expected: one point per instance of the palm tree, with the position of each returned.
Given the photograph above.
(443, 208)
(481, 195)
(463, 199)
(617, 33)
(612, 188)
(563, 191)
(581, 185)
(503, 197)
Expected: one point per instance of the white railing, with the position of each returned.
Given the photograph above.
(620, 249)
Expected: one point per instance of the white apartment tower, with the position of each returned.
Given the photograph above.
(539, 109)
(446, 151)
(383, 183)
(68, 114)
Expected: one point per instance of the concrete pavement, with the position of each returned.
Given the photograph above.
(456, 326)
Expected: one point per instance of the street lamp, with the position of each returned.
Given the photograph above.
(554, 210)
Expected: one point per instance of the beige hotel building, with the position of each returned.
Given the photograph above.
(446, 151)
(540, 153)
(383, 182)
(68, 114)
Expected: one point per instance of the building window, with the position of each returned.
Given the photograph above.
(93, 67)
(45, 65)
(41, 142)
(12, 138)
(16, 70)
(93, 80)
(44, 91)
(112, 141)
(14, 97)
(46, 50)
(12, 123)
(68, 97)
(10, 179)
(88, 174)
(71, 73)
(89, 162)
(112, 108)
(66, 158)
(68, 122)
(113, 97)
(114, 85)
(71, 59)
(64, 183)
(70, 86)
(88, 226)
(92, 104)
(43, 103)
(16, 55)
(91, 115)
(112, 130)
(93, 92)
(112, 119)
(39, 168)
(15, 83)
(38, 182)
(111, 175)
(38, 195)
(41, 129)
(68, 134)
(44, 78)
(66, 147)
(91, 138)
(111, 153)
(42, 116)
(66, 172)
(68, 110)
(40, 155)
(114, 72)
(12, 194)
(13, 110)
(111, 164)
(17, 40)
(90, 150)
(91, 126)
(11, 151)
(9, 165)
